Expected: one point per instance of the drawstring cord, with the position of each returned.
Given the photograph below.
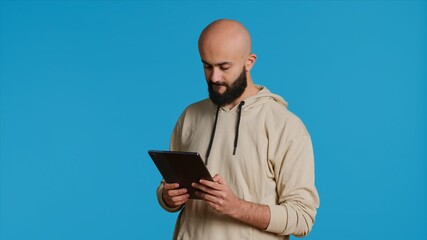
(236, 137)
(212, 137)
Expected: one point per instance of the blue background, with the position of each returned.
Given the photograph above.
(87, 87)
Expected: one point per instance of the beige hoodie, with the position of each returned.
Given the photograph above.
(273, 165)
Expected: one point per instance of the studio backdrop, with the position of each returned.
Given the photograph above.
(88, 87)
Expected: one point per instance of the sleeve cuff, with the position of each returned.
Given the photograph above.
(162, 203)
(277, 220)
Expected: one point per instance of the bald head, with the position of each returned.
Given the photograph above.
(225, 37)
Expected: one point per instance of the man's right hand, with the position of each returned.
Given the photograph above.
(174, 196)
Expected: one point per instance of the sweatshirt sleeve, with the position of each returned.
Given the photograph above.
(297, 195)
(174, 146)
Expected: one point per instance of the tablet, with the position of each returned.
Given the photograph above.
(181, 167)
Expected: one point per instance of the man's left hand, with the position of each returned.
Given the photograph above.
(218, 195)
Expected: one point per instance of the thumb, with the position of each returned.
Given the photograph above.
(217, 178)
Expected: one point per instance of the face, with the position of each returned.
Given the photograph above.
(227, 60)
(222, 93)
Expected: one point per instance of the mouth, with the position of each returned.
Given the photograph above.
(219, 88)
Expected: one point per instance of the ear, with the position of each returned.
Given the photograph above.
(250, 61)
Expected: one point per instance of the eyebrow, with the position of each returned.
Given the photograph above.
(217, 64)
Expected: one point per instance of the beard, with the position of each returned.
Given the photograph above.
(232, 92)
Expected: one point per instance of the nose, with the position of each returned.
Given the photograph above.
(216, 75)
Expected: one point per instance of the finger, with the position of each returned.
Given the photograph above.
(213, 185)
(169, 186)
(203, 188)
(222, 181)
(178, 200)
(216, 177)
(214, 202)
(177, 192)
(203, 195)
(208, 191)
(180, 203)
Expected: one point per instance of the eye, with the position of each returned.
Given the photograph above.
(224, 67)
(207, 66)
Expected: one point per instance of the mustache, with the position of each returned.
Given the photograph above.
(218, 83)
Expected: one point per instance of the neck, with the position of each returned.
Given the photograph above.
(250, 90)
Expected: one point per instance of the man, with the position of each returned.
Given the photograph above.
(261, 153)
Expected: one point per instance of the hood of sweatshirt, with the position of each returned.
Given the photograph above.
(263, 96)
